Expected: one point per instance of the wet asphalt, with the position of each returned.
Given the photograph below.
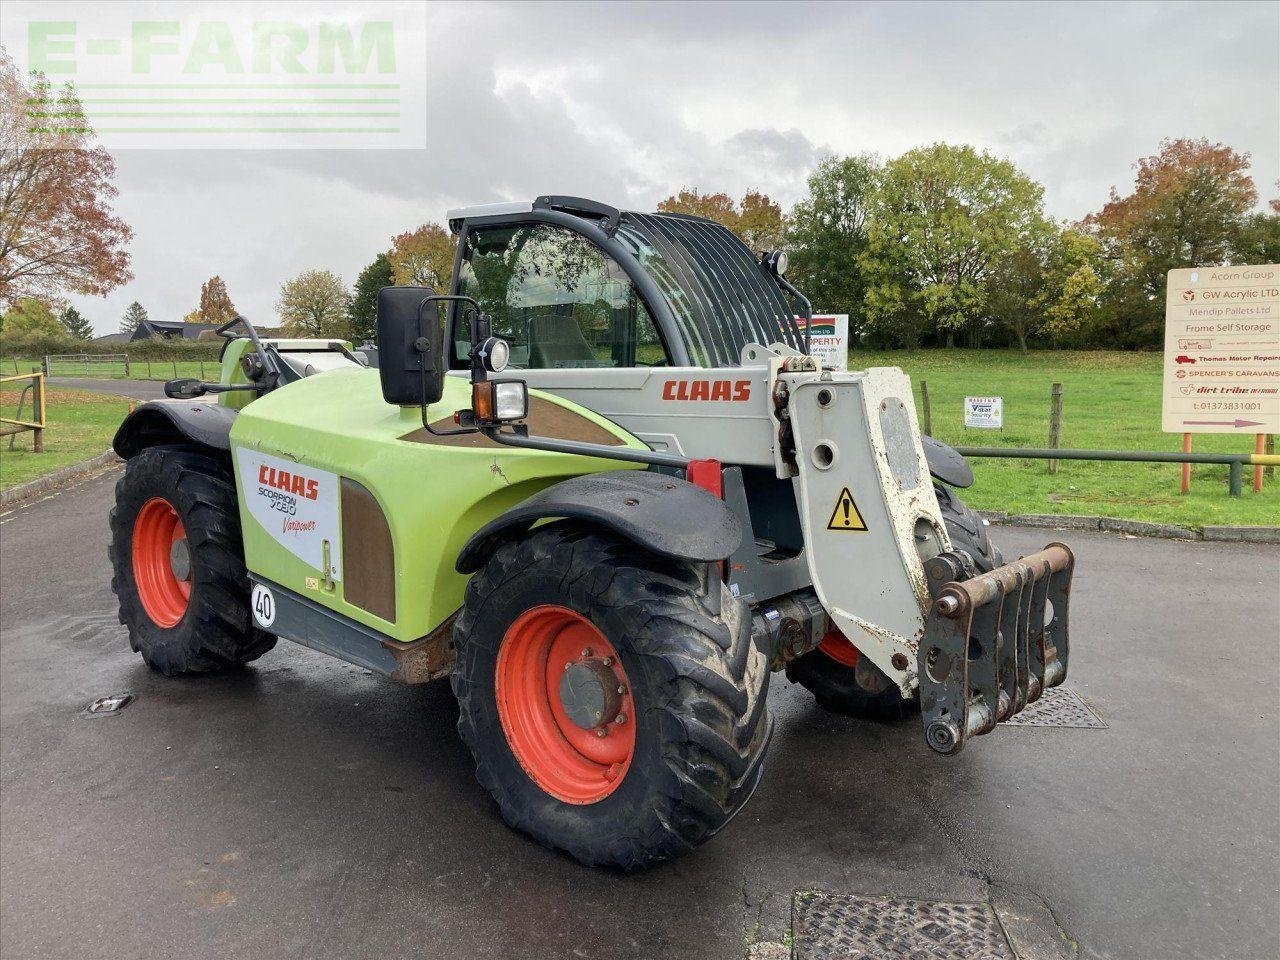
(304, 808)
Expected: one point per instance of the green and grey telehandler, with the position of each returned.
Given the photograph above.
(603, 487)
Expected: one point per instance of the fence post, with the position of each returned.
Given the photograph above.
(1055, 423)
(1235, 478)
(128, 374)
(1259, 447)
(175, 369)
(928, 413)
(44, 365)
(1271, 449)
(148, 369)
(37, 442)
(201, 369)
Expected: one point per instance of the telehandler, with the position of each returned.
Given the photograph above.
(603, 487)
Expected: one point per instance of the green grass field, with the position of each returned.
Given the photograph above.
(80, 426)
(1110, 401)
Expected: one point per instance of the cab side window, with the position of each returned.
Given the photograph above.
(556, 299)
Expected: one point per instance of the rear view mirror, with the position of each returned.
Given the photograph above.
(410, 346)
(184, 388)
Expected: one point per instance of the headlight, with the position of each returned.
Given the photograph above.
(495, 354)
(500, 401)
(510, 400)
(780, 262)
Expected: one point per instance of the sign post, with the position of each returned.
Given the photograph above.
(1222, 353)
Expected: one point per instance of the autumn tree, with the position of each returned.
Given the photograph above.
(215, 302)
(76, 324)
(29, 317)
(362, 311)
(422, 257)
(827, 232)
(757, 220)
(1048, 288)
(58, 233)
(940, 218)
(134, 316)
(314, 304)
(1188, 207)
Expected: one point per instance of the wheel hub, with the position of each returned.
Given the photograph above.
(590, 693)
(565, 704)
(180, 559)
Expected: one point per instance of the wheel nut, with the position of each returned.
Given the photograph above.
(586, 652)
(601, 732)
(620, 718)
(622, 689)
(608, 661)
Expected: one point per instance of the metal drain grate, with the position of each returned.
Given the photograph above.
(835, 926)
(1059, 707)
(108, 706)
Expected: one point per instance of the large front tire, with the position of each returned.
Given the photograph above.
(677, 749)
(845, 683)
(178, 564)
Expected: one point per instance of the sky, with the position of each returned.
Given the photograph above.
(627, 103)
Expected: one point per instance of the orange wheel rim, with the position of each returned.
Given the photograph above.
(837, 646)
(161, 562)
(574, 762)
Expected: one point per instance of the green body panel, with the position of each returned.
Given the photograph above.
(232, 372)
(434, 496)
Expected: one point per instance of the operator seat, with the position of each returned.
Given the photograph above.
(555, 340)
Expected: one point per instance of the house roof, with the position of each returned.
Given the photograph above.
(171, 328)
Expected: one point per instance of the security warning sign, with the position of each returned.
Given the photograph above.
(1222, 350)
(845, 516)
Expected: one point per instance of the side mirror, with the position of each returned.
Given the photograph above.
(184, 388)
(410, 346)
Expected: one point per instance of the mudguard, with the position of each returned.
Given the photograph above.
(946, 464)
(664, 514)
(205, 423)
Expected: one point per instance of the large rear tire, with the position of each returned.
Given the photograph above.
(844, 683)
(614, 711)
(178, 564)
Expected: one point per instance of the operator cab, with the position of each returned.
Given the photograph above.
(572, 283)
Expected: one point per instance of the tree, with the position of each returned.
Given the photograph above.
(422, 257)
(1188, 207)
(134, 317)
(29, 317)
(1048, 289)
(1259, 239)
(827, 232)
(756, 219)
(76, 324)
(362, 311)
(940, 218)
(215, 302)
(58, 233)
(314, 304)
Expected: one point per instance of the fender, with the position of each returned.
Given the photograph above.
(946, 464)
(664, 514)
(205, 423)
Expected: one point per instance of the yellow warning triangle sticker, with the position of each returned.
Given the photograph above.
(846, 516)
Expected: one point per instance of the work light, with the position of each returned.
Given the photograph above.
(495, 354)
(500, 401)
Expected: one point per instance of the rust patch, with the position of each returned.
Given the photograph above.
(427, 658)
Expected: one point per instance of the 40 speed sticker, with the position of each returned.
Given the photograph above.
(263, 604)
(296, 504)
